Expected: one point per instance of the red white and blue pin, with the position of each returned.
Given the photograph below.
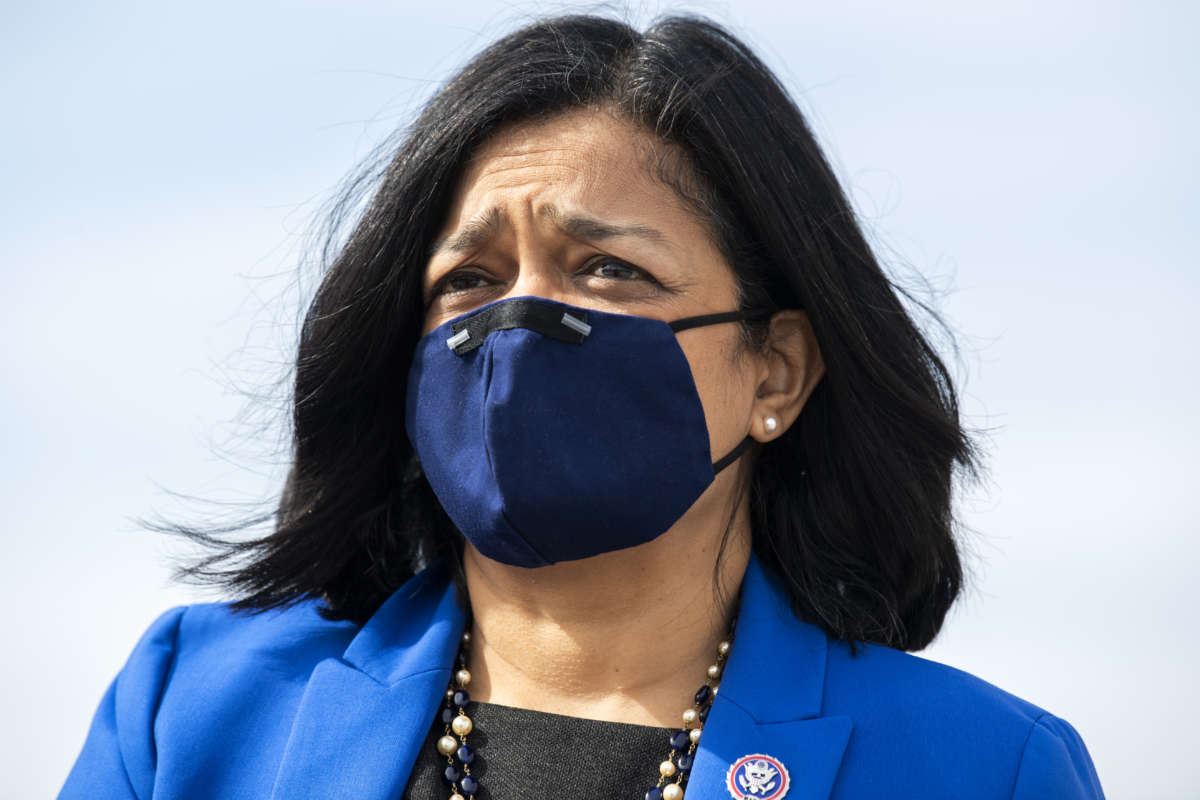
(757, 777)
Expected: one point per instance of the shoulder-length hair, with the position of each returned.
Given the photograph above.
(850, 508)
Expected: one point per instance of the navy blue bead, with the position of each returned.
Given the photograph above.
(704, 713)
(448, 715)
(461, 698)
(466, 754)
(703, 694)
(680, 740)
(450, 774)
(469, 784)
(684, 762)
(654, 794)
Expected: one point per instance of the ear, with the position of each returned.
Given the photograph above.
(792, 365)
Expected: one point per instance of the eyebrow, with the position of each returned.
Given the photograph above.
(484, 226)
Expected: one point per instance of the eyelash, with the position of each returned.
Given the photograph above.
(440, 287)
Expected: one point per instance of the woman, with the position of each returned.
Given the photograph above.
(620, 471)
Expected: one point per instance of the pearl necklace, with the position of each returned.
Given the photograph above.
(672, 772)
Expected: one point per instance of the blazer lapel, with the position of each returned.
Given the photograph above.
(364, 716)
(769, 701)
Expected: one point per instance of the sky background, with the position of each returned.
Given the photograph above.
(162, 165)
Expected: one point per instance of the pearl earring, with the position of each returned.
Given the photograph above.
(771, 424)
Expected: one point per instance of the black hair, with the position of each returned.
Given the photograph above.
(850, 508)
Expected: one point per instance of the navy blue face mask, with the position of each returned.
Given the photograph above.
(552, 433)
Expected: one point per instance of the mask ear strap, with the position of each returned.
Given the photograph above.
(733, 455)
(713, 319)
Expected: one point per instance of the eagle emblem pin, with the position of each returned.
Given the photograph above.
(757, 777)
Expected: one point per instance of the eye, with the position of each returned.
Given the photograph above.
(458, 282)
(616, 270)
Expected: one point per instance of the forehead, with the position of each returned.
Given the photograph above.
(583, 161)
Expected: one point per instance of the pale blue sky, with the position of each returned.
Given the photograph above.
(1034, 160)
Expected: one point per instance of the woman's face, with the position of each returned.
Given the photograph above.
(565, 209)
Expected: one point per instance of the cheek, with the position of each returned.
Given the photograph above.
(726, 388)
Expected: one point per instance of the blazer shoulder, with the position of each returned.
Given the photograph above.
(1056, 763)
(200, 673)
(292, 637)
(877, 671)
(940, 720)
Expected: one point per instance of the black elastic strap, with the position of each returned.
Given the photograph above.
(534, 315)
(713, 319)
(733, 456)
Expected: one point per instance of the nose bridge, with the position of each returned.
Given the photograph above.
(539, 278)
(540, 253)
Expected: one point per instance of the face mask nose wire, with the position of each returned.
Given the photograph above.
(536, 315)
(580, 327)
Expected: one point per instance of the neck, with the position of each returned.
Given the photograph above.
(623, 637)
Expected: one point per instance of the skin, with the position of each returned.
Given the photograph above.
(624, 636)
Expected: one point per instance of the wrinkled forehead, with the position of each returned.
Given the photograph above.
(591, 160)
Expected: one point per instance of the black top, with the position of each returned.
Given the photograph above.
(532, 754)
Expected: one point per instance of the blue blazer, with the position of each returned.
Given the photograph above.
(287, 705)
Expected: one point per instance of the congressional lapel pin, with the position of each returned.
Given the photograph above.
(757, 777)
